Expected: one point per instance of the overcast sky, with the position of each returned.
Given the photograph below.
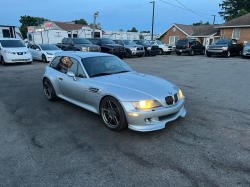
(113, 14)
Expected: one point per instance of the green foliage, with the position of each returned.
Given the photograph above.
(132, 30)
(200, 23)
(234, 8)
(29, 21)
(141, 36)
(145, 32)
(80, 21)
(121, 30)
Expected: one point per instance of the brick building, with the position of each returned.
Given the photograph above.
(238, 28)
(206, 34)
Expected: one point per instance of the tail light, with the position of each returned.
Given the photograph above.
(187, 45)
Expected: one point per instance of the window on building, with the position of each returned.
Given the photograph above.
(173, 40)
(236, 33)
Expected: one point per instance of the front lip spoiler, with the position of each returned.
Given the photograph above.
(158, 125)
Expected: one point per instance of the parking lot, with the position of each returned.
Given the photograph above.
(45, 143)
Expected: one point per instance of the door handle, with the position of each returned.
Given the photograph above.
(60, 78)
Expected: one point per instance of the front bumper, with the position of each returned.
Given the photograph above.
(136, 53)
(153, 52)
(217, 52)
(118, 53)
(167, 49)
(49, 57)
(152, 119)
(13, 58)
(246, 53)
(182, 50)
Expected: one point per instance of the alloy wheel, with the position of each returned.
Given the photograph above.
(47, 88)
(110, 114)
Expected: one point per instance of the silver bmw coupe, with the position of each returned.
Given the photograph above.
(105, 85)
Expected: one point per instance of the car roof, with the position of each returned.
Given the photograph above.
(9, 39)
(81, 54)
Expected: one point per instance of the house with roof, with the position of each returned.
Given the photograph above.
(238, 28)
(206, 34)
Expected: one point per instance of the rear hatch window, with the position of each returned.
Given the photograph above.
(182, 42)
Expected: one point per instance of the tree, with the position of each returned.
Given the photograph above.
(80, 21)
(234, 8)
(121, 30)
(29, 21)
(145, 32)
(132, 30)
(200, 23)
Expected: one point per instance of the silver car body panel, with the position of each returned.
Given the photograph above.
(125, 87)
(246, 50)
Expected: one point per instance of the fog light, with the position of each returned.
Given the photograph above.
(133, 114)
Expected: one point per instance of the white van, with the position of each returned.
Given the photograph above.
(13, 50)
(10, 32)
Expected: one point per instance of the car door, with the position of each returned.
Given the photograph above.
(198, 47)
(70, 88)
(38, 52)
(31, 49)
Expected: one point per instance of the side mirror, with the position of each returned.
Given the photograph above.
(37, 50)
(71, 74)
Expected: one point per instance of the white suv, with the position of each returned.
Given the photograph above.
(164, 48)
(13, 50)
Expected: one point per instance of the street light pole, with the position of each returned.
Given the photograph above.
(95, 16)
(153, 19)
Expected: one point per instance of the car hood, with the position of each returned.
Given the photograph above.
(132, 86)
(148, 45)
(128, 46)
(52, 51)
(218, 45)
(112, 45)
(86, 45)
(15, 49)
(247, 47)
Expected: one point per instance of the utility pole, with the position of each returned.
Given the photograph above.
(214, 18)
(95, 16)
(153, 19)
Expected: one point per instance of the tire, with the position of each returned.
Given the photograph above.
(28, 62)
(202, 52)
(178, 54)
(191, 53)
(161, 52)
(49, 91)
(128, 54)
(3, 62)
(208, 55)
(112, 114)
(44, 59)
(228, 54)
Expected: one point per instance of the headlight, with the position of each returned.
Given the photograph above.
(224, 48)
(133, 48)
(84, 49)
(181, 96)
(9, 52)
(49, 53)
(148, 48)
(146, 104)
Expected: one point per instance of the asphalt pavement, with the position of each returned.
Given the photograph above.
(45, 143)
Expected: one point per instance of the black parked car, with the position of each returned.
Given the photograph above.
(224, 47)
(78, 44)
(150, 49)
(189, 46)
(109, 46)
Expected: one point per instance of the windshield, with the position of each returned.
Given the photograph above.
(144, 42)
(99, 66)
(107, 41)
(222, 41)
(81, 41)
(159, 42)
(48, 47)
(129, 42)
(12, 43)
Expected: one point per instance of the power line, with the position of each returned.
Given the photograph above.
(187, 9)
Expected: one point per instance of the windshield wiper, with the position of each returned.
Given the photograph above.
(100, 74)
(124, 71)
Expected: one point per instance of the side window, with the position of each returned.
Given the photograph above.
(64, 64)
(65, 40)
(6, 33)
(115, 41)
(136, 41)
(120, 43)
(80, 72)
(37, 47)
(71, 41)
(198, 43)
(55, 62)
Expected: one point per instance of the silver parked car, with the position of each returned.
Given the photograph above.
(104, 84)
(44, 52)
(246, 51)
